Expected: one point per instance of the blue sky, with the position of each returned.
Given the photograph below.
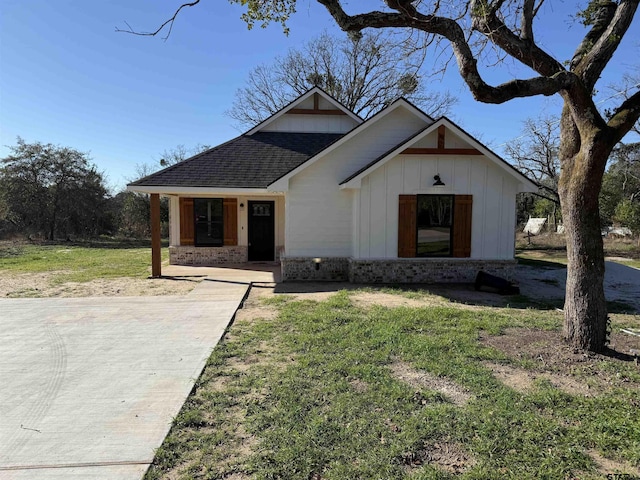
(66, 76)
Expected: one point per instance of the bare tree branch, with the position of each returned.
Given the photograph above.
(535, 153)
(169, 22)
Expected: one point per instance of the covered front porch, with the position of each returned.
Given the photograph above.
(220, 229)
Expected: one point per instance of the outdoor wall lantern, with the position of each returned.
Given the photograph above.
(242, 205)
(438, 182)
(317, 261)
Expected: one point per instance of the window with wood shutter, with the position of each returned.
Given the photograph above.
(208, 222)
(230, 216)
(186, 221)
(407, 226)
(434, 226)
(462, 225)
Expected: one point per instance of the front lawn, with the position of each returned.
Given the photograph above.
(345, 388)
(79, 262)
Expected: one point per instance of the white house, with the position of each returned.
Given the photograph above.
(397, 198)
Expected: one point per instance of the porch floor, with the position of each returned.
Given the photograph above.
(252, 272)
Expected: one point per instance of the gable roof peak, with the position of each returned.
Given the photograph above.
(413, 106)
(296, 102)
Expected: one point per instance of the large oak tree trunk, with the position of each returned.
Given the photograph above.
(585, 309)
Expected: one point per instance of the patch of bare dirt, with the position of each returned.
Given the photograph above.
(318, 291)
(253, 307)
(359, 385)
(573, 371)
(421, 379)
(33, 285)
(264, 355)
(367, 299)
(252, 313)
(448, 456)
(607, 466)
(523, 380)
(460, 295)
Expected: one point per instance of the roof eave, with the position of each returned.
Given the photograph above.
(184, 190)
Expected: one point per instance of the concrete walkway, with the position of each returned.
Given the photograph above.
(89, 386)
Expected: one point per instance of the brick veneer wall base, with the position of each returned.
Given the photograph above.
(430, 270)
(332, 269)
(410, 270)
(188, 255)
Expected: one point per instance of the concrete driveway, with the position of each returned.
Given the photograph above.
(621, 283)
(89, 386)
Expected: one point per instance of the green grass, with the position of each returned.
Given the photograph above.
(318, 401)
(554, 259)
(551, 260)
(69, 262)
(630, 263)
(550, 252)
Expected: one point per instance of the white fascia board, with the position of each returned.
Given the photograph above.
(283, 182)
(525, 185)
(355, 183)
(204, 191)
(298, 101)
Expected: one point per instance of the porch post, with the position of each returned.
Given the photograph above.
(156, 268)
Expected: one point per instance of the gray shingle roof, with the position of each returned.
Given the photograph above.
(248, 161)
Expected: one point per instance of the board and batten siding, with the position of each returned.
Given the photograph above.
(493, 191)
(319, 213)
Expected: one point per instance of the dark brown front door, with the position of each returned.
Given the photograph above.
(261, 231)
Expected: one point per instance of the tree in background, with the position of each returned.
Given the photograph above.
(134, 208)
(364, 74)
(178, 154)
(535, 153)
(627, 213)
(52, 191)
(620, 195)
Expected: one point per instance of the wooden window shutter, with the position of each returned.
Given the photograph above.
(462, 225)
(407, 212)
(186, 221)
(230, 219)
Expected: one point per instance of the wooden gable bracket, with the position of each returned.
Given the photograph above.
(316, 109)
(440, 149)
